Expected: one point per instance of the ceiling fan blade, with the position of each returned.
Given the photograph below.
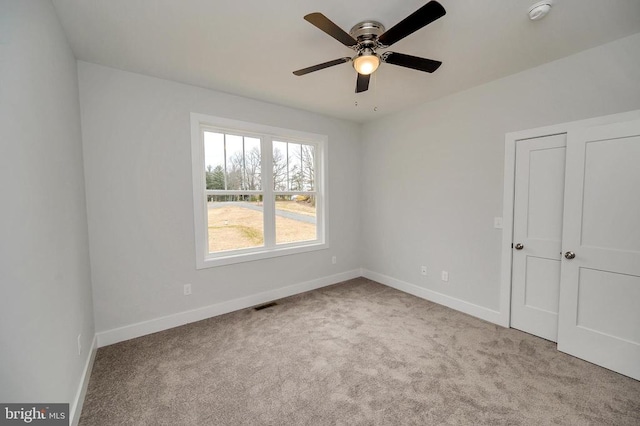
(362, 83)
(322, 66)
(412, 23)
(326, 25)
(408, 61)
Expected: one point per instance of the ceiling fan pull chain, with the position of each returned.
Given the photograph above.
(375, 93)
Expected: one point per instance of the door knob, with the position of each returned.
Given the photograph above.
(569, 255)
(519, 246)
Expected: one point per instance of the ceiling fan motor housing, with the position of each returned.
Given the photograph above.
(367, 33)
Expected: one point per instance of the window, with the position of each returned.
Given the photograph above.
(258, 191)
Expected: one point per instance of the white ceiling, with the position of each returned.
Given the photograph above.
(251, 47)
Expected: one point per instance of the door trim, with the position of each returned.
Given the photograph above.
(509, 186)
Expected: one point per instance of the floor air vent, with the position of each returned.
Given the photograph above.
(265, 306)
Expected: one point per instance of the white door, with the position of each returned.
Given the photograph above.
(600, 292)
(537, 235)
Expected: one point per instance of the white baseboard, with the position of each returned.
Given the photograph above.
(439, 298)
(76, 407)
(132, 331)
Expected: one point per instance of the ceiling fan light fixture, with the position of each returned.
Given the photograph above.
(366, 63)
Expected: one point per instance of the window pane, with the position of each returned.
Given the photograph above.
(243, 163)
(308, 164)
(214, 160)
(234, 162)
(253, 163)
(293, 167)
(295, 218)
(234, 222)
(280, 166)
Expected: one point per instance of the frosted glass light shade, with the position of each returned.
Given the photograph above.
(366, 64)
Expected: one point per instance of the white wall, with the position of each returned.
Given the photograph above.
(45, 293)
(432, 176)
(137, 153)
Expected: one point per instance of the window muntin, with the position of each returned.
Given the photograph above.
(260, 192)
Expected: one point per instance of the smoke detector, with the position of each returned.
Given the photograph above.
(539, 10)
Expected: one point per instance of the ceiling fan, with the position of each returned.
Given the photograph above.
(367, 37)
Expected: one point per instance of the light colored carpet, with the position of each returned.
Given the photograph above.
(353, 353)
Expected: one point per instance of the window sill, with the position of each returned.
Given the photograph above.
(230, 259)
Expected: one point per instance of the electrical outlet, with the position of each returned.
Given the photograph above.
(497, 222)
(334, 260)
(80, 344)
(445, 276)
(187, 289)
(423, 270)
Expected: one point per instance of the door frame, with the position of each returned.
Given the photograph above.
(509, 188)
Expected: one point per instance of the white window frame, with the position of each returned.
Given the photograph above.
(267, 134)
